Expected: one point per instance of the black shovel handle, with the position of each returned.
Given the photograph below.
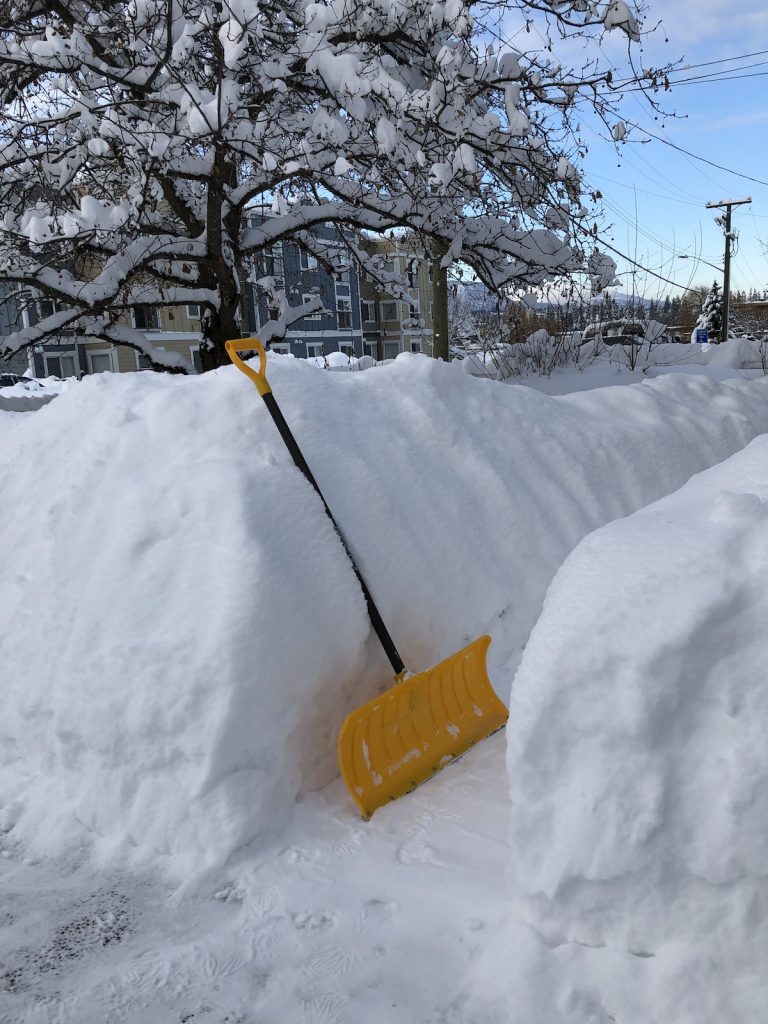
(259, 378)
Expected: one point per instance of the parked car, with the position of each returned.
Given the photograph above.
(614, 332)
(9, 380)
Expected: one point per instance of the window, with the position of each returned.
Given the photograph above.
(371, 349)
(197, 362)
(415, 346)
(42, 308)
(314, 350)
(193, 311)
(307, 261)
(414, 311)
(346, 348)
(143, 362)
(146, 318)
(342, 289)
(342, 266)
(344, 314)
(310, 316)
(281, 347)
(60, 366)
(273, 261)
(391, 349)
(389, 311)
(413, 274)
(368, 311)
(100, 361)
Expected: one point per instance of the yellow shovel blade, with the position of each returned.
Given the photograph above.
(395, 742)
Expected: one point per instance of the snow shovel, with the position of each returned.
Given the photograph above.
(400, 739)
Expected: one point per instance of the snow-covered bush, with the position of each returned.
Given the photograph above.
(541, 353)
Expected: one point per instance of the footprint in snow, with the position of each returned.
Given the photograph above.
(293, 855)
(377, 912)
(416, 851)
(334, 961)
(323, 1008)
(317, 921)
(730, 505)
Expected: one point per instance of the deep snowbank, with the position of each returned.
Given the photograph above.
(639, 770)
(182, 632)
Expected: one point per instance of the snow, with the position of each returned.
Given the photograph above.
(32, 393)
(618, 15)
(637, 759)
(183, 635)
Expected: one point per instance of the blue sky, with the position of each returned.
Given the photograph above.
(654, 195)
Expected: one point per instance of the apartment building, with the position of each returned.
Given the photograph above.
(10, 321)
(393, 325)
(174, 329)
(357, 317)
(335, 328)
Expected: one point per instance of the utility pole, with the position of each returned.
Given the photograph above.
(725, 223)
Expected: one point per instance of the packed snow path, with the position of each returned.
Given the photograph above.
(341, 921)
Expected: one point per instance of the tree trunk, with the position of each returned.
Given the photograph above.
(223, 324)
(440, 307)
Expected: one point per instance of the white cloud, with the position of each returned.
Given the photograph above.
(736, 121)
(690, 23)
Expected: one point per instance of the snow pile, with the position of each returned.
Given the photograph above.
(639, 770)
(30, 394)
(183, 634)
(341, 361)
(559, 366)
(23, 401)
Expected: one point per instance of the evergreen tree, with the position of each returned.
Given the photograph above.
(711, 316)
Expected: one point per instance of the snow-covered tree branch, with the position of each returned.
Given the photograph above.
(152, 148)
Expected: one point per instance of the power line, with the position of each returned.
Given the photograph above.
(703, 159)
(710, 64)
(651, 170)
(647, 192)
(724, 75)
(725, 60)
(633, 222)
(634, 263)
(701, 80)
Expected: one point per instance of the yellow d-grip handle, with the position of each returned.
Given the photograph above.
(259, 377)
